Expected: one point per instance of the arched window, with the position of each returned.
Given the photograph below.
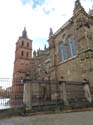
(22, 53)
(22, 43)
(62, 52)
(71, 48)
(27, 44)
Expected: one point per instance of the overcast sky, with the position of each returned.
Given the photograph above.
(38, 16)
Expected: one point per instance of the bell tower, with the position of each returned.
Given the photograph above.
(23, 55)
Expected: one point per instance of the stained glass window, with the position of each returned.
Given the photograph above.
(62, 52)
(71, 48)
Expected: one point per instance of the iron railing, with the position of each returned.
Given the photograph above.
(11, 93)
(52, 95)
(46, 95)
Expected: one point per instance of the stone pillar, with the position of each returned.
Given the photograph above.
(87, 93)
(27, 95)
(64, 93)
(87, 90)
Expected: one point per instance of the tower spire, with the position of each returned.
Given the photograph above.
(24, 33)
(77, 7)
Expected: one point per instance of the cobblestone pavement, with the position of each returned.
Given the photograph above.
(76, 118)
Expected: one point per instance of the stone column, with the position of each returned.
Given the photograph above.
(27, 94)
(64, 93)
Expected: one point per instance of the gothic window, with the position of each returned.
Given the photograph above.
(22, 53)
(62, 52)
(71, 48)
(22, 43)
(27, 44)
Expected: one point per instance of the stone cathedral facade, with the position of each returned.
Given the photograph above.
(71, 47)
(69, 56)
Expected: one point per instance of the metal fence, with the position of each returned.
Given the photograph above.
(11, 96)
(54, 95)
(45, 95)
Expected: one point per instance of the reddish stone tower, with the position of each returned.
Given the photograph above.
(23, 55)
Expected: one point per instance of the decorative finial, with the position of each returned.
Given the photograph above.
(77, 7)
(45, 47)
(38, 52)
(91, 11)
(51, 32)
(34, 53)
(77, 3)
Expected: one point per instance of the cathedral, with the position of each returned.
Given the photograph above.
(69, 56)
(71, 47)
